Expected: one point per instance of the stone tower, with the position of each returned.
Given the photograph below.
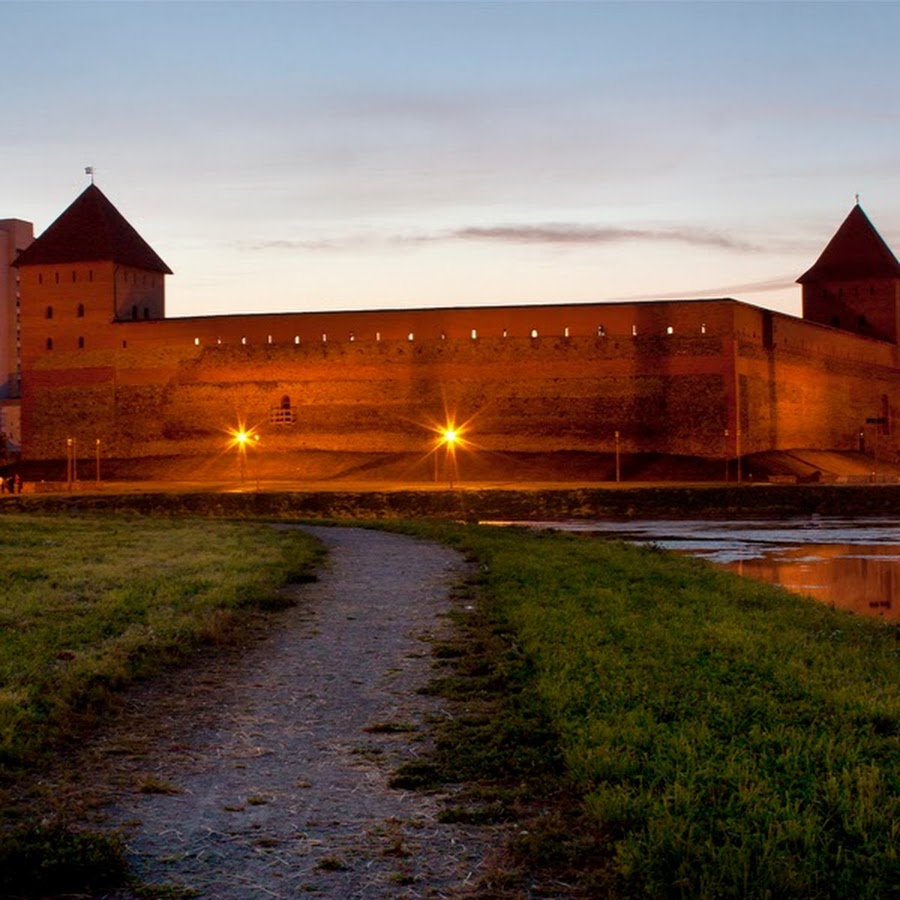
(855, 283)
(89, 268)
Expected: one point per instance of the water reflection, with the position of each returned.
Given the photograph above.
(849, 564)
(862, 578)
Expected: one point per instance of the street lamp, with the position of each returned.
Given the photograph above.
(449, 436)
(242, 437)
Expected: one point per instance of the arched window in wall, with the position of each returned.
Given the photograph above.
(80, 342)
(80, 311)
(49, 343)
(49, 313)
(286, 402)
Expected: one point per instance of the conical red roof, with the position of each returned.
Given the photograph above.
(92, 230)
(857, 250)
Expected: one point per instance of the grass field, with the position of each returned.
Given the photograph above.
(723, 738)
(89, 603)
(719, 737)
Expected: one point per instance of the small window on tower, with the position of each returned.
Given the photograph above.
(49, 313)
(81, 343)
(80, 311)
(49, 343)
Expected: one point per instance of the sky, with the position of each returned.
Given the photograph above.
(312, 156)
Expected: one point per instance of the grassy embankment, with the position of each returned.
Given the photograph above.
(716, 737)
(719, 737)
(88, 605)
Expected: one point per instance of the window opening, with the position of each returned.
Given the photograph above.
(80, 312)
(49, 343)
(49, 313)
(80, 343)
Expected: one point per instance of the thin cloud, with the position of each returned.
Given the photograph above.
(552, 234)
(563, 233)
(727, 290)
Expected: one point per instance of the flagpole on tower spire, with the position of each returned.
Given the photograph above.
(89, 170)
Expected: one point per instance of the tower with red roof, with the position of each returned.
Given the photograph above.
(855, 283)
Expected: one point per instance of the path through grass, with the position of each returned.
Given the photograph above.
(89, 603)
(725, 738)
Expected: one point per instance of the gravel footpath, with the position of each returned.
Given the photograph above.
(269, 780)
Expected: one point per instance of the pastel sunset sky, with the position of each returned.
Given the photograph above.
(306, 156)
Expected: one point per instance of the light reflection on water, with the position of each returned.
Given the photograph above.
(850, 564)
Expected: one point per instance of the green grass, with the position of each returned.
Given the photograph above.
(723, 738)
(90, 603)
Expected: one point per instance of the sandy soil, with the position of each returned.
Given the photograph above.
(265, 777)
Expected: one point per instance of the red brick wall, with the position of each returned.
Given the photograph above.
(670, 377)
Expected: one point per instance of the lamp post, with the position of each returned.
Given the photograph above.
(241, 441)
(618, 460)
(726, 454)
(449, 437)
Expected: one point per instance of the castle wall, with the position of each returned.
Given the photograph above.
(704, 378)
(382, 381)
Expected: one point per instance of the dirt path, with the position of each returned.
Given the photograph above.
(268, 781)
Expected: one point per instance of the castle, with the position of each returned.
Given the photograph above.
(91, 358)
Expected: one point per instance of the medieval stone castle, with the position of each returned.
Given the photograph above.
(88, 356)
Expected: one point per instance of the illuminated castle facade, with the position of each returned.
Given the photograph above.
(99, 361)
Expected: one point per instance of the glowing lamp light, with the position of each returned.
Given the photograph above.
(449, 435)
